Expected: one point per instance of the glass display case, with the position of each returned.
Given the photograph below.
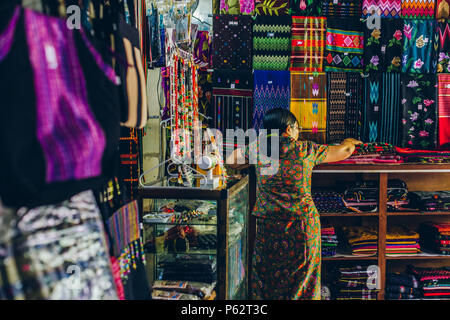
(199, 235)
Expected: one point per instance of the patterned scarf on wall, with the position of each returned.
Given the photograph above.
(202, 49)
(443, 64)
(308, 43)
(383, 47)
(444, 108)
(309, 104)
(419, 111)
(353, 105)
(421, 9)
(272, 8)
(341, 8)
(205, 94)
(271, 43)
(232, 94)
(384, 8)
(232, 42)
(306, 8)
(443, 9)
(233, 7)
(381, 118)
(336, 99)
(419, 46)
(344, 45)
(272, 90)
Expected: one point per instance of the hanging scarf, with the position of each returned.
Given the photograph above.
(341, 8)
(419, 46)
(232, 42)
(383, 47)
(205, 94)
(272, 90)
(306, 8)
(444, 108)
(383, 8)
(272, 8)
(271, 43)
(308, 42)
(419, 111)
(309, 105)
(353, 105)
(443, 64)
(336, 99)
(202, 49)
(233, 7)
(344, 45)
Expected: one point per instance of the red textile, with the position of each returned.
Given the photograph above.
(444, 108)
(117, 279)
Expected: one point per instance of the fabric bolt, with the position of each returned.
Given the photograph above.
(381, 118)
(383, 8)
(443, 30)
(271, 43)
(336, 102)
(344, 45)
(419, 112)
(419, 46)
(423, 9)
(272, 90)
(444, 109)
(232, 45)
(308, 43)
(308, 104)
(308, 8)
(383, 47)
(272, 8)
(232, 95)
(442, 9)
(341, 8)
(288, 225)
(226, 7)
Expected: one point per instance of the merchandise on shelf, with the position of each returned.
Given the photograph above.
(329, 241)
(354, 283)
(433, 282)
(435, 237)
(401, 286)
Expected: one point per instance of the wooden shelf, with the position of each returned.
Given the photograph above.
(420, 257)
(369, 214)
(349, 258)
(378, 168)
(421, 213)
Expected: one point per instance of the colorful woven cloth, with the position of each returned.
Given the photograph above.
(202, 49)
(383, 47)
(353, 105)
(344, 45)
(272, 7)
(272, 90)
(381, 117)
(419, 46)
(419, 114)
(336, 101)
(442, 9)
(232, 42)
(307, 8)
(308, 104)
(341, 8)
(308, 43)
(271, 43)
(430, 201)
(444, 108)
(328, 201)
(329, 240)
(422, 9)
(431, 234)
(233, 7)
(383, 8)
(443, 64)
(232, 92)
(352, 283)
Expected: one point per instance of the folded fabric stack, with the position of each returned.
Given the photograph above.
(375, 152)
(188, 268)
(362, 240)
(434, 282)
(401, 287)
(329, 241)
(435, 237)
(355, 283)
(328, 201)
(402, 241)
(430, 200)
(423, 156)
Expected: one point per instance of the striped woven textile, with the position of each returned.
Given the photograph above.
(336, 99)
(309, 104)
(272, 90)
(443, 63)
(344, 45)
(444, 108)
(271, 43)
(383, 8)
(422, 9)
(341, 8)
(353, 105)
(381, 117)
(308, 43)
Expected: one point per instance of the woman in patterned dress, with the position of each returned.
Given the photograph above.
(286, 260)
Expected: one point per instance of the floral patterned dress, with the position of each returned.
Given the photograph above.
(287, 256)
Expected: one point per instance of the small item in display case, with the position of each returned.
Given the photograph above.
(200, 289)
(172, 295)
